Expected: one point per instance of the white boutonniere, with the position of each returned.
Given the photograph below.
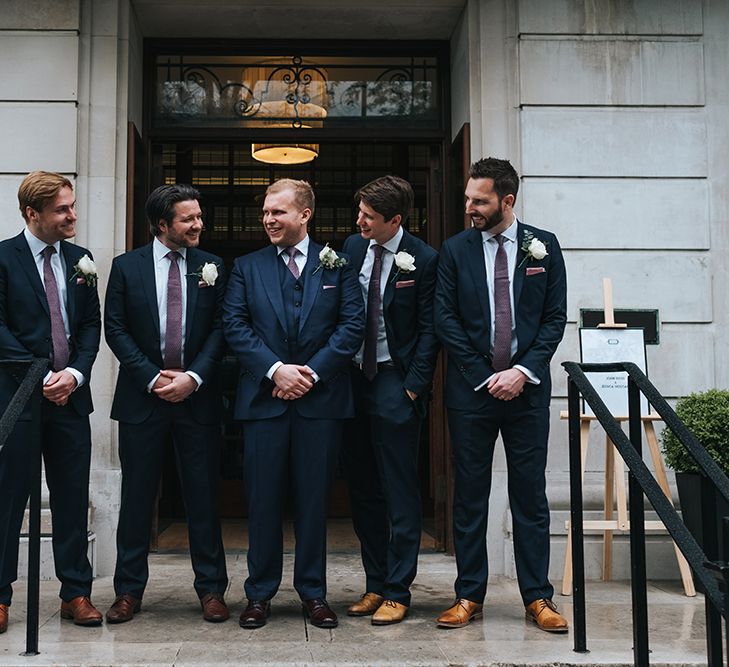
(404, 262)
(85, 272)
(328, 259)
(532, 248)
(207, 274)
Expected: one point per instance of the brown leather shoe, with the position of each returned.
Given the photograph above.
(389, 612)
(320, 613)
(460, 614)
(123, 609)
(82, 611)
(3, 618)
(544, 613)
(366, 605)
(214, 608)
(255, 614)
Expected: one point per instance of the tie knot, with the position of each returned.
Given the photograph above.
(173, 256)
(499, 239)
(48, 251)
(291, 251)
(378, 250)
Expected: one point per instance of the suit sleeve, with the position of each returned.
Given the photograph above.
(208, 357)
(348, 335)
(10, 347)
(472, 364)
(87, 333)
(118, 335)
(254, 355)
(554, 316)
(421, 369)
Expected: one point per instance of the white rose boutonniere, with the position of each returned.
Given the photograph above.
(533, 248)
(404, 262)
(328, 259)
(85, 272)
(207, 274)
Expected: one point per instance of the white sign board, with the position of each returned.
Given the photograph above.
(601, 346)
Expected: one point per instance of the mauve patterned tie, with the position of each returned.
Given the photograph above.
(58, 331)
(173, 330)
(374, 305)
(291, 252)
(502, 309)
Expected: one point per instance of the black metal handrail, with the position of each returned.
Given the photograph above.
(29, 390)
(641, 481)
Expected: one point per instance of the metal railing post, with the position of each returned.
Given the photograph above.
(637, 535)
(576, 517)
(714, 649)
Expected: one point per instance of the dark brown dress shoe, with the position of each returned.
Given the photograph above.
(81, 611)
(123, 609)
(3, 618)
(255, 614)
(214, 608)
(320, 613)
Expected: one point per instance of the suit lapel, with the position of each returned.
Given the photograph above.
(192, 289)
(312, 281)
(389, 287)
(67, 253)
(27, 262)
(477, 266)
(149, 282)
(520, 268)
(272, 282)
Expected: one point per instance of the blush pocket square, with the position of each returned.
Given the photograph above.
(533, 270)
(328, 286)
(202, 284)
(404, 283)
(80, 281)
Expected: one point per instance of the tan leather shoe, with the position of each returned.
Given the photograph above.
(123, 609)
(544, 613)
(81, 611)
(3, 618)
(389, 612)
(460, 614)
(366, 605)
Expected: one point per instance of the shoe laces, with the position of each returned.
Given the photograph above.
(544, 603)
(390, 603)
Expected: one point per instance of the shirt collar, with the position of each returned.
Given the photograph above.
(36, 245)
(160, 250)
(510, 233)
(393, 244)
(302, 246)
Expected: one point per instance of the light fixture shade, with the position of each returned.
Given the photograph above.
(285, 153)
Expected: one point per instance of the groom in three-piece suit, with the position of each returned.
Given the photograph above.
(163, 321)
(391, 380)
(49, 309)
(294, 317)
(500, 311)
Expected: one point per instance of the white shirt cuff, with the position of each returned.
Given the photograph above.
(273, 369)
(531, 378)
(195, 377)
(151, 384)
(80, 379)
(484, 383)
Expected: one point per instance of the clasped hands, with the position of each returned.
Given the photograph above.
(508, 384)
(59, 387)
(174, 385)
(292, 381)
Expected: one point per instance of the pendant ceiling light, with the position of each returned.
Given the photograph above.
(285, 153)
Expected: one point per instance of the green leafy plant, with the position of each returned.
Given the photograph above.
(706, 415)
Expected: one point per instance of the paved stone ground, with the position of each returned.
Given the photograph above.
(170, 629)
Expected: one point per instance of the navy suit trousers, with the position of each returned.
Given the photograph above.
(66, 446)
(524, 430)
(300, 454)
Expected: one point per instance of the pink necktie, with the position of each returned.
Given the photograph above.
(502, 309)
(173, 330)
(58, 331)
(374, 305)
(291, 252)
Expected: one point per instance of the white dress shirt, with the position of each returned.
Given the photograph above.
(161, 278)
(490, 246)
(365, 273)
(59, 271)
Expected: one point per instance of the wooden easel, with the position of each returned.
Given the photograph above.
(615, 483)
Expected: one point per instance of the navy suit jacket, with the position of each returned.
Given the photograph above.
(407, 308)
(463, 317)
(331, 328)
(25, 321)
(131, 324)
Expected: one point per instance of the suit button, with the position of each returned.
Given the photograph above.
(297, 286)
(285, 340)
(297, 304)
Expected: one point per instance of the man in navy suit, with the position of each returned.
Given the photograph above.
(163, 321)
(391, 379)
(49, 308)
(500, 312)
(294, 317)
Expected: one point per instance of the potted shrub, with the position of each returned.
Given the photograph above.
(706, 415)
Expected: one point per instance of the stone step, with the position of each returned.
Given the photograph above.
(47, 569)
